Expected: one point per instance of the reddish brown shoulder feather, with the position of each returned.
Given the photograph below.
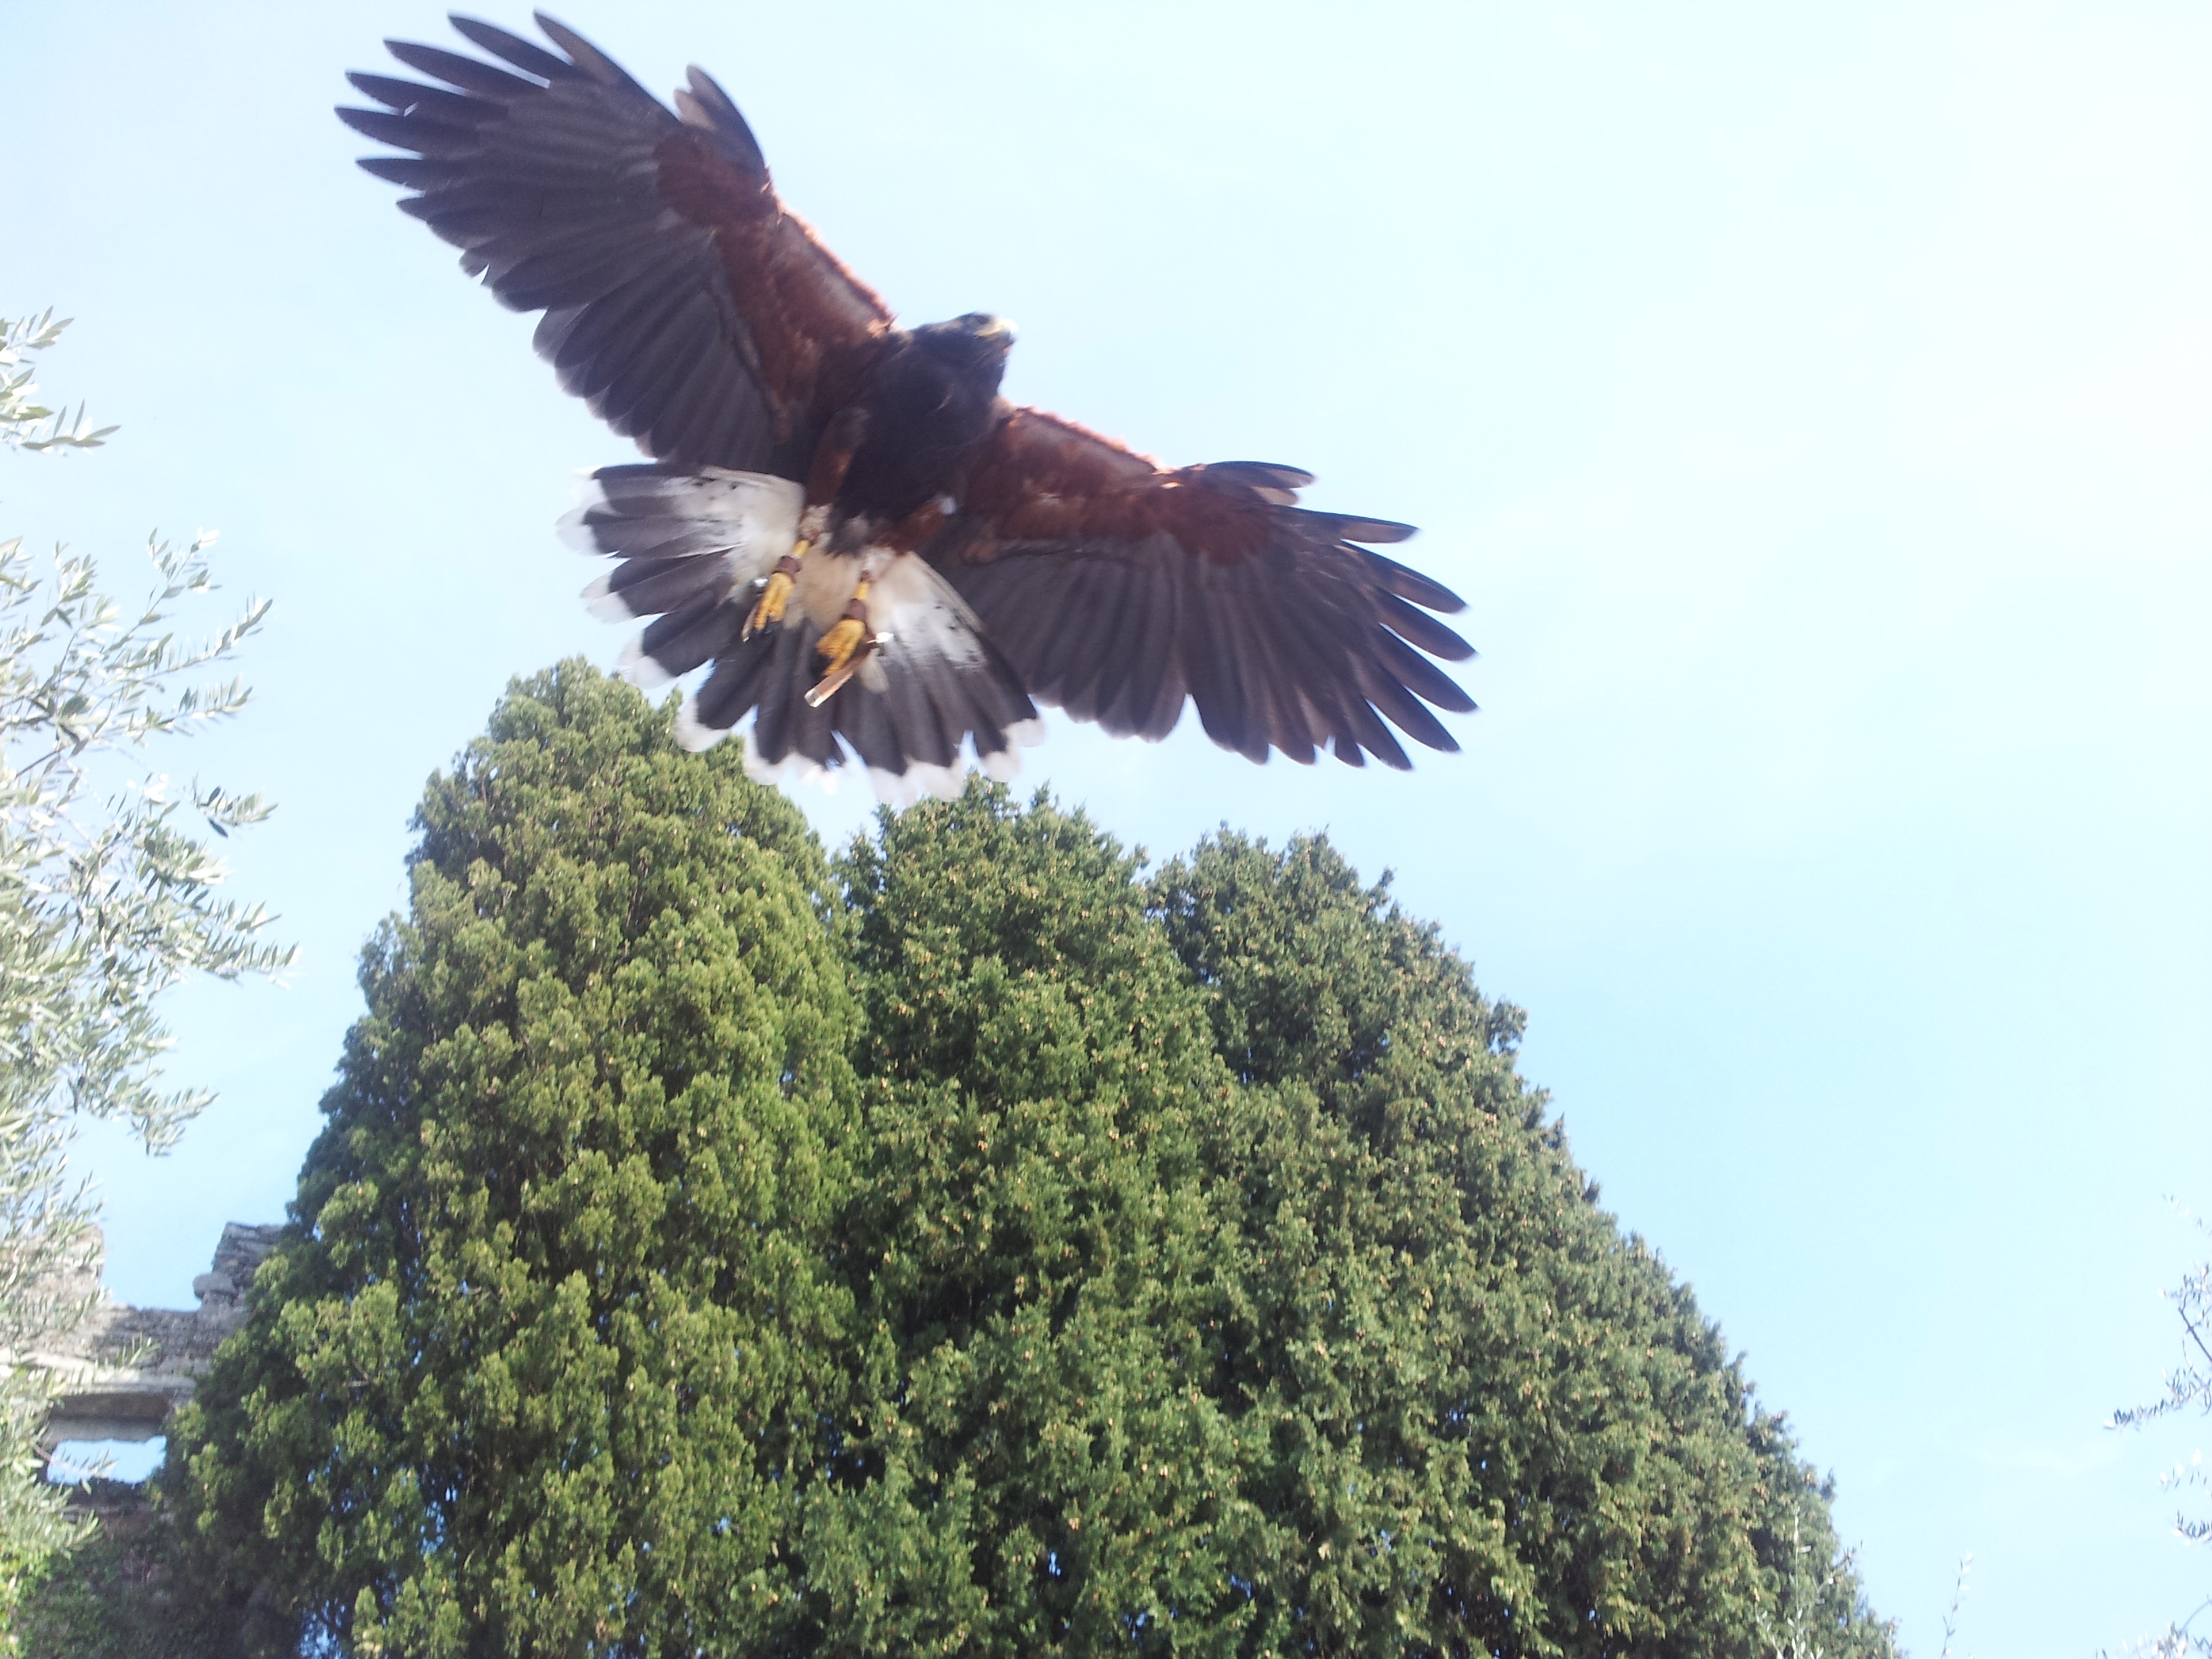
(1045, 479)
(814, 325)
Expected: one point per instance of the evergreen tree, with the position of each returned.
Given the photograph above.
(1046, 1444)
(549, 1349)
(1495, 1425)
(1011, 1257)
(1258, 1308)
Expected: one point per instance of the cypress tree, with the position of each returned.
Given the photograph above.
(981, 1250)
(548, 1349)
(1495, 1425)
(1041, 1297)
(1257, 1308)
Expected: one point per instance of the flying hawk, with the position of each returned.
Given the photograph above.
(879, 555)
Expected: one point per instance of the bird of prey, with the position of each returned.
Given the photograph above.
(880, 556)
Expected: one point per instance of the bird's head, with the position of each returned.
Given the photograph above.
(977, 342)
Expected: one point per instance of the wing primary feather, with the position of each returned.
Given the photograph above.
(514, 49)
(1420, 676)
(1375, 736)
(410, 97)
(414, 172)
(585, 56)
(1403, 710)
(1419, 628)
(469, 74)
(1326, 680)
(421, 134)
(1263, 474)
(1341, 527)
(1406, 584)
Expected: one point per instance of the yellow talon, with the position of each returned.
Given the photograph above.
(842, 647)
(773, 598)
(838, 645)
(775, 593)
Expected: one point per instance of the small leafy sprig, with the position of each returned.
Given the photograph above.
(2187, 1385)
(108, 897)
(25, 424)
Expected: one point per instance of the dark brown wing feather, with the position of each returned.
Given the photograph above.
(682, 301)
(1118, 588)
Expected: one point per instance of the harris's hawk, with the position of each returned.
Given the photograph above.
(879, 556)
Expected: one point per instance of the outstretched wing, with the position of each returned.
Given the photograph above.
(682, 301)
(1117, 588)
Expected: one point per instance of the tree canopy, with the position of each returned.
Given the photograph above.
(978, 1247)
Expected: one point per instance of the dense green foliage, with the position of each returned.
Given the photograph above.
(1496, 1426)
(120, 1595)
(989, 1252)
(547, 1353)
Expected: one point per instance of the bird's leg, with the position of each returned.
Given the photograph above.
(833, 455)
(775, 589)
(844, 647)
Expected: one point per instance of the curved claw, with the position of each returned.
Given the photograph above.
(843, 648)
(842, 642)
(776, 594)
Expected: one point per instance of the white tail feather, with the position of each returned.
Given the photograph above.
(639, 670)
(690, 734)
(603, 602)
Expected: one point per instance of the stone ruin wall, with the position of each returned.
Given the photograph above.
(124, 1369)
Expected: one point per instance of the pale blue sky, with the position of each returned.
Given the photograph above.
(1815, 412)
